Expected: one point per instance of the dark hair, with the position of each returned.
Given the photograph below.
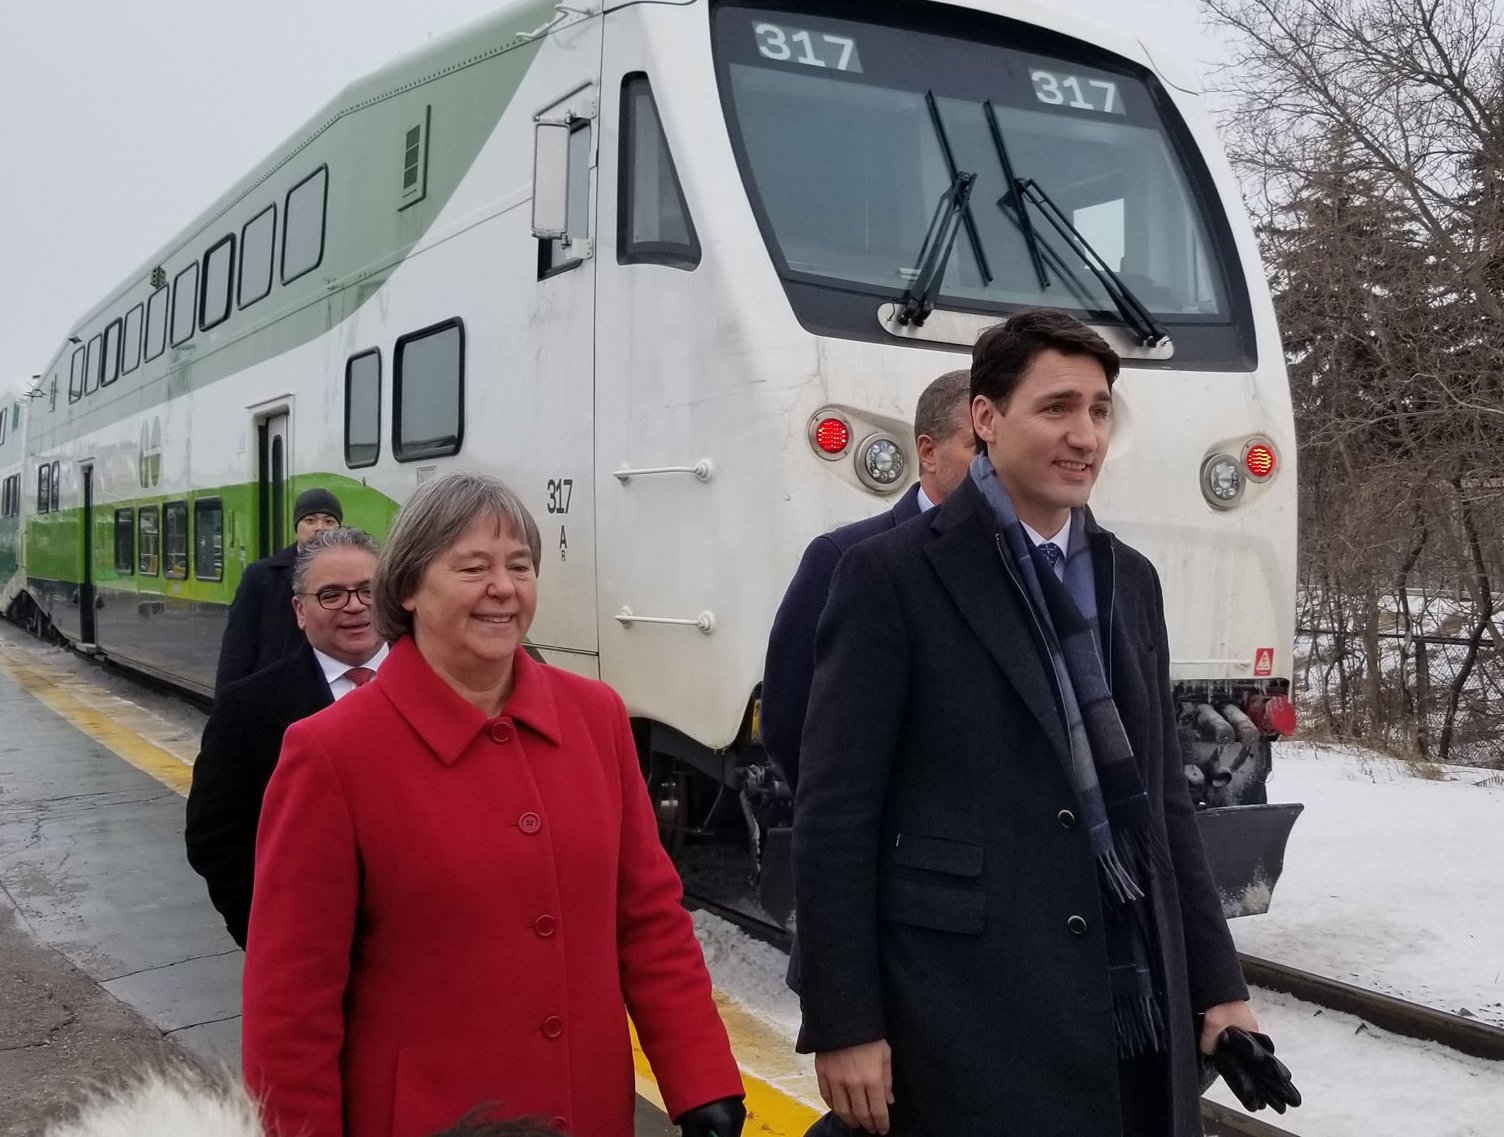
(345, 537)
(940, 404)
(1004, 353)
(482, 1122)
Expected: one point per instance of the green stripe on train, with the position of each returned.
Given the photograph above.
(54, 541)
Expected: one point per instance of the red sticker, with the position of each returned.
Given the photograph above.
(1263, 661)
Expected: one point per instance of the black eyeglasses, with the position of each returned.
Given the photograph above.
(335, 597)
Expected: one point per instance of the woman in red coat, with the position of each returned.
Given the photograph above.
(460, 893)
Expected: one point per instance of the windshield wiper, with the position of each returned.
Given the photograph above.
(953, 170)
(1150, 333)
(918, 300)
(1025, 226)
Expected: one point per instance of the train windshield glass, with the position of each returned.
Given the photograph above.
(849, 134)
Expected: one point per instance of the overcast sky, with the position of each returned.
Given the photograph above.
(127, 119)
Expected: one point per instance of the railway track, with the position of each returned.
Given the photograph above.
(1398, 1016)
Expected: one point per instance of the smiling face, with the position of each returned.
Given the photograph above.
(1048, 440)
(347, 633)
(473, 605)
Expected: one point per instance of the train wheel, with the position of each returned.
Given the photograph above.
(669, 791)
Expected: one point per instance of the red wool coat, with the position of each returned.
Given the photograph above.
(451, 910)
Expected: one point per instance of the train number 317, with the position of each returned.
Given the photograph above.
(560, 490)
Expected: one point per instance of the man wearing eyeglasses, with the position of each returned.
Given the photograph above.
(331, 585)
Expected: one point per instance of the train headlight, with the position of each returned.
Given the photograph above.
(880, 462)
(1221, 481)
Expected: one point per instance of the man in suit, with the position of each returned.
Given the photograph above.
(945, 443)
(338, 651)
(261, 627)
(1006, 918)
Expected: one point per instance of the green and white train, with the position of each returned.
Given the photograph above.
(677, 271)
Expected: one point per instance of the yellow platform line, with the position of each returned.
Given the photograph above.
(780, 1086)
(779, 1083)
(51, 687)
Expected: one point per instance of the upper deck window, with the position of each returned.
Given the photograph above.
(303, 225)
(256, 245)
(850, 132)
(184, 304)
(219, 268)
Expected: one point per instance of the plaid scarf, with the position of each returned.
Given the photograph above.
(1100, 765)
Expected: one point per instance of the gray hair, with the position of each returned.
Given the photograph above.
(345, 537)
(428, 524)
(939, 405)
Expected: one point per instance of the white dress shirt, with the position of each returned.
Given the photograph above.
(334, 670)
(1061, 540)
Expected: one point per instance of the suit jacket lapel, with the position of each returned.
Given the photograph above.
(965, 555)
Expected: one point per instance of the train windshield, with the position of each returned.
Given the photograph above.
(852, 136)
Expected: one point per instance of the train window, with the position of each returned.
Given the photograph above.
(208, 539)
(428, 395)
(363, 409)
(257, 240)
(184, 304)
(156, 323)
(44, 489)
(652, 223)
(415, 161)
(219, 271)
(52, 396)
(175, 540)
(111, 354)
(147, 546)
(76, 376)
(561, 253)
(92, 368)
(54, 481)
(125, 541)
(130, 347)
(303, 225)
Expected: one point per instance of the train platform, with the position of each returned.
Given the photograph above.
(111, 957)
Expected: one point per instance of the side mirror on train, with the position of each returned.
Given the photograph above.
(550, 179)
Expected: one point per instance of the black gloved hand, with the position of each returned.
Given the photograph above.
(1246, 1061)
(721, 1118)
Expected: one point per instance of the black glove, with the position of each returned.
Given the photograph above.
(721, 1118)
(1247, 1064)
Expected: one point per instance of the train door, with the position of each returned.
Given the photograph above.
(272, 477)
(86, 613)
(557, 400)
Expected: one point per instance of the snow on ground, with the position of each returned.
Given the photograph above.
(1392, 882)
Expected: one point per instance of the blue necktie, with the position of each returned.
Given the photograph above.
(1050, 552)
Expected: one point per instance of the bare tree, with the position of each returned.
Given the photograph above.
(1369, 134)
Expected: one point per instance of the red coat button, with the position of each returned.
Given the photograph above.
(501, 731)
(530, 823)
(552, 1027)
(544, 925)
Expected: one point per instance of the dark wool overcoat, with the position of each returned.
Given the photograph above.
(261, 627)
(947, 896)
(790, 664)
(241, 742)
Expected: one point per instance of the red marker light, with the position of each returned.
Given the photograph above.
(832, 436)
(1259, 459)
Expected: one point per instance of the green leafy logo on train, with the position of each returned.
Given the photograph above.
(149, 457)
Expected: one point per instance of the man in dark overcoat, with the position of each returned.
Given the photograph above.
(1005, 913)
(261, 627)
(338, 650)
(944, 443)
